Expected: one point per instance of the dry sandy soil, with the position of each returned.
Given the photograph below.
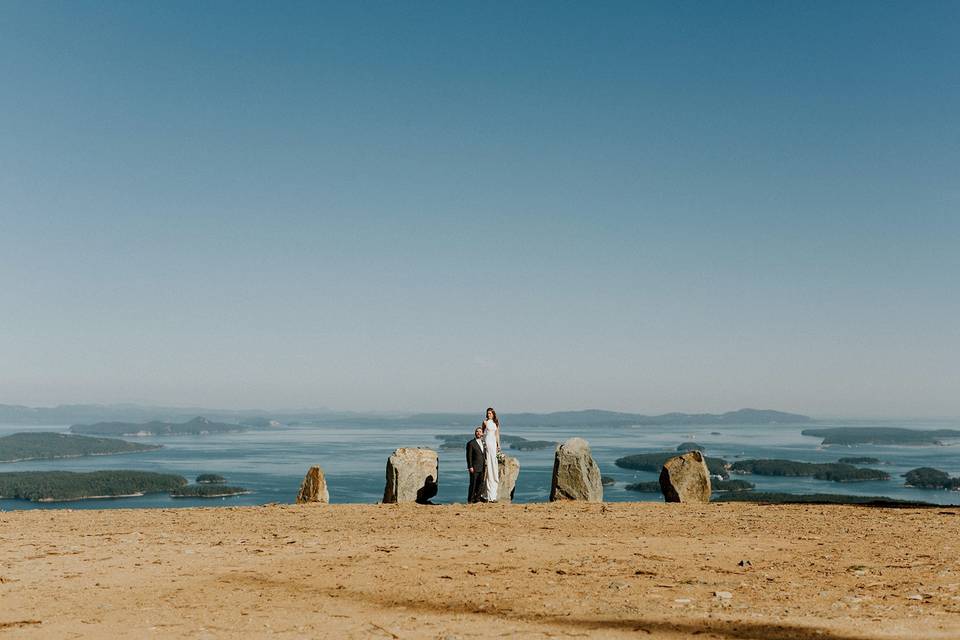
(458, 571)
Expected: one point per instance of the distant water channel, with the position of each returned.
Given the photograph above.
(272, 462)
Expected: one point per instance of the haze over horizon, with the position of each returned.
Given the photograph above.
(650, 207)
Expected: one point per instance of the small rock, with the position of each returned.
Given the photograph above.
(314, 487)
(683, 600)
(723, 595)
(509, 472)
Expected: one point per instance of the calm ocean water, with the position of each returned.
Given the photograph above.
(272, 463)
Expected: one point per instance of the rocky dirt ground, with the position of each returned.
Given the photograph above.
(459, 571)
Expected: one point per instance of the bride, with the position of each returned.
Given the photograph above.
(491, 445)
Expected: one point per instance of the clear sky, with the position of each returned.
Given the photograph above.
(645, 206)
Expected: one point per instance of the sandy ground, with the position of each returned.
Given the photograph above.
(458, 571)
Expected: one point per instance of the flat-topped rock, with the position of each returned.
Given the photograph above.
(576, 475)
(685, 478)
(412, 475)
(314, 487)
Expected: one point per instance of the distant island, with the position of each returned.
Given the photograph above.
(653, 462)
(459, 441)
(859, 460)
(42, 445)
(210, 478)
(817, 498)
(57, 486)
(715, 485)
(689, 446)
(881, 435)
(207, 491)
(835, 471)
(197, 426)
(929, 478)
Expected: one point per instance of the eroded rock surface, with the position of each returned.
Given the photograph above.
(509, 472)
(412, 475)
(314, 487)
(576, 475)
(685, 478)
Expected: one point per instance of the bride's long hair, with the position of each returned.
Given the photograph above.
(495, 420)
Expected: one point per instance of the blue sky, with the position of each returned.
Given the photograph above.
(441, 206)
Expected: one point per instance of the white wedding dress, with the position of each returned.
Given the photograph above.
(492, 476)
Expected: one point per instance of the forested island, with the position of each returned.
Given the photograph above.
(715, 485)
(816, 498)
(881, 435)
(929, 478)
(834, 471)
(210, 478)
(43, 445)
(859, 460)
(56, 486)
(654, 462)
(197, 426)
(214, 490)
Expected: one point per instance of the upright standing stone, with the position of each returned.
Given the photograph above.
(314, 487)
(576, 475)
(685, 478)
(509, 471)
(412, 476)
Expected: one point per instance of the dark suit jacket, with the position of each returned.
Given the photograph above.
(475, 457)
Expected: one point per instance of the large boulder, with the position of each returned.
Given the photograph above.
(509, 471)
(576, 475)
(412, 476)
(314, 487)
(685, 478)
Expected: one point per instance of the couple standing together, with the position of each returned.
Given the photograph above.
(482, 462)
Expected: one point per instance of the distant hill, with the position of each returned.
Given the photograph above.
(600, 418)
(197, 426)
(19, 447)
(128, 413)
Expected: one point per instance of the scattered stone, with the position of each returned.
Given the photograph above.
(685, 478)
(509, 471)
(616, 585)
(314, 487)
(744, 563)
(576, 475)
(412, 475)
(723, 595)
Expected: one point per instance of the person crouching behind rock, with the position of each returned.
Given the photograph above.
(476, 462)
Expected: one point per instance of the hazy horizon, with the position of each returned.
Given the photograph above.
(642, 207)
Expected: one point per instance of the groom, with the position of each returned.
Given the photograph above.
(476, 463)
